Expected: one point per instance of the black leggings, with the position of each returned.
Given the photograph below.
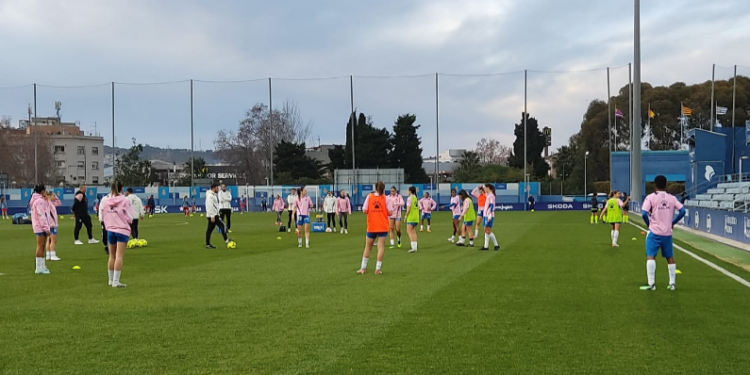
(332, 220)
(104, 236)
(226, 215)
(344, 220)
(83, 220)
(211, 226)
(289, 223)
(134, 228)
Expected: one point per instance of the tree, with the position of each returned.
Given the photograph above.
(338, 158)
(535, 143)
(199, 171)
(290, 160)
(372, 146)
(468, 168)
(490, 151)
(17, 157)
(251, 146)
(407, 153)
(132, 170)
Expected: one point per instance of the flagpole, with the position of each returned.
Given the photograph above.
(636, 175)
(609, 120)
(713, 111)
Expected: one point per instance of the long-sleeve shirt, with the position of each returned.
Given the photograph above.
(52, 209)
(394, 203)
(343, 205)
(101, 202)
(212, 204)
(329, 204)
(427, 205)
(39, 214)
(137, 206)
(117, 214)
(278, 205)
(456, 205)
(291, 199)
(489, 207)
(303, 205)
(225, 199)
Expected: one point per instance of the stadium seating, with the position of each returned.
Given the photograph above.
(731, 196)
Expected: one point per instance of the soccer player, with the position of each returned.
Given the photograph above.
(427, 205)
(81, 212)
(225, 207)
(291, 200)
(455, 207)
(329, 206)
(52, 203)
(41, 226)
(343, 209)
(532, 203)
(278, 207)
(185, 206)
(378, 226)
(151, 205)
(4, 207)
(137, 213)
(613, 210)
(302, 207)
(395, 203)
(625, 207)
(243, 201)
(478, 193)
(489, 218)
(594, 209)
(658, 214)
(412, 218)
(469, 216)
(117, 214)
(212, 214)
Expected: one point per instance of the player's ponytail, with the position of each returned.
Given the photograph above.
(39, 189)
(380, 187)
(464, 196)
(116, 188)
(413, 190)
(491, 188)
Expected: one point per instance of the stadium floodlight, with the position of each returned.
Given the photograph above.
(585, 174)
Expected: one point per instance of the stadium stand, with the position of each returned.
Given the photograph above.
(730, 196)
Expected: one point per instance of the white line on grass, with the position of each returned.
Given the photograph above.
(704, 261)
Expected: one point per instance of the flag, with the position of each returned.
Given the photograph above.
(651, 114)
(687, 111)
(720, 111)
(618, 113)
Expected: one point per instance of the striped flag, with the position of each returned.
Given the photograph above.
(687, 111)
(721, 110)
(618, 113)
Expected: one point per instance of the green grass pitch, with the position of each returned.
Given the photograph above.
(556, 299)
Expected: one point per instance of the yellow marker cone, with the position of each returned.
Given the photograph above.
(76, 267)
(677, 271)
(278, 238)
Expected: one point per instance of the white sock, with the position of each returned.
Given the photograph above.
(612, 235)
(476, 233)
(672, 272)
(461, 239)
(428, 227)
(651, 271)
(39, 263)
(414, 245)
(111, 275)
(486, 240)
(307, 241)
(52, 254)
(299, 241)
(378, 265)
(364, 263)
(421, 227)
(494, 239)
(116, 277)
(616, 237)
(392, 242)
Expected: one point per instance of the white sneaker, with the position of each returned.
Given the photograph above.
(120, 285)
(451, 240)
(412, 251)
(78, 242)
(307, 246)
(54, 259)
(93, 240)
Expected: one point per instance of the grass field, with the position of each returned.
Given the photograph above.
(556, 299)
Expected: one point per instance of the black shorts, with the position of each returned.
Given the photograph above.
(594, 210)
(625, 208)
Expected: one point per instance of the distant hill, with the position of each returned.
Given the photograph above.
(177, 156)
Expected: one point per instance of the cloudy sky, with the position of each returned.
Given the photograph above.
(72, 49)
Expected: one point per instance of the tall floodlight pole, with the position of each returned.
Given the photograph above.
(630, 114)
(734, 110)
(713, 111)
(437, 128)
(609, 126)
(525, 115)
(353, 118)
(36, 159)
(114, 155)
(636, 183)
(270, 123)
(192, 141)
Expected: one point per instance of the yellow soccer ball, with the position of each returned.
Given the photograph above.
(232, 245)
(202, 215)
(191, 215)
(62, 217)
(142, 243)
(131, 244)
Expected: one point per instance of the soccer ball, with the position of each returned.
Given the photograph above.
(201, 215)
(232, 245)
(328, 230)
(150, 216)
(62, 217)
(131, 244)
(142, 243)
(191, 215)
